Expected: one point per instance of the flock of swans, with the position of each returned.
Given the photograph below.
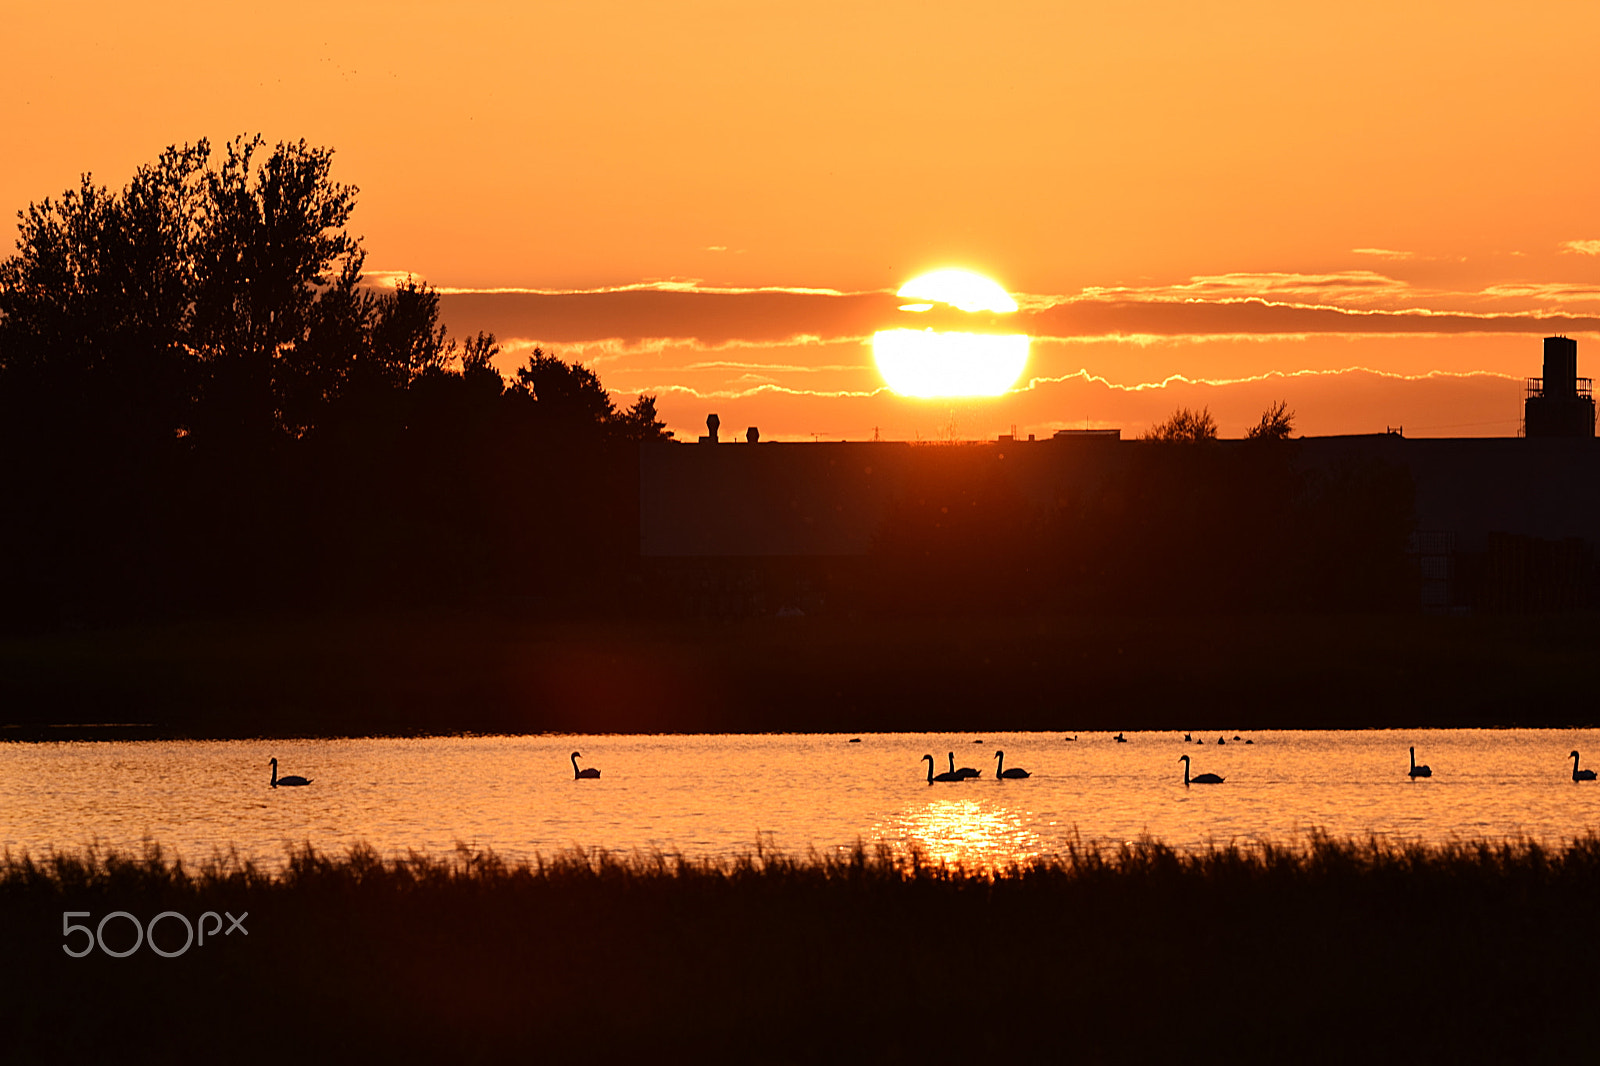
(967, 773)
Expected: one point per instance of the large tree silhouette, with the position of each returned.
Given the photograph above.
(206, 407)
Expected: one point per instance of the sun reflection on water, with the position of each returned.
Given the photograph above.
(964, 832)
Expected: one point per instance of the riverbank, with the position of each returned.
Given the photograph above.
(454, 672)
(1336, 948)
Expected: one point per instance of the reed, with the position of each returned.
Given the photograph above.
(1108, 953)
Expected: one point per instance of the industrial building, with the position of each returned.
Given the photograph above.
(1498, 524)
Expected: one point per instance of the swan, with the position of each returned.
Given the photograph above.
(1418, 771)
(293, 779)
(932, 777)
(577, 774)
(1580, 775)
(1200, 779)
(1013, 773)
(965, 771)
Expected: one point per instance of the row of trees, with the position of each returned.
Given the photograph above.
(1185, 426)
(204, 406)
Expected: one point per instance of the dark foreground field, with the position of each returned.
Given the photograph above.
(451, 672)
(1475, 953)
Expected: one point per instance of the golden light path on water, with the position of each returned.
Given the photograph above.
(965, 832)
(717, 795)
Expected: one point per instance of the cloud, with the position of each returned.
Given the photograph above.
(1347, 286)
(1384, 253)
(630, 318)
(1548, 292)
(1581, 247)
(1350, 400)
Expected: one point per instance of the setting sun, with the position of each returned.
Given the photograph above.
(929, 363)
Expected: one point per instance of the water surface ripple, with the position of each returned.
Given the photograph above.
(715, 795)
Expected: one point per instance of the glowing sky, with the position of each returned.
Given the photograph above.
(1224, 203)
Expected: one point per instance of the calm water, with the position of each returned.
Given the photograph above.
(714, 795)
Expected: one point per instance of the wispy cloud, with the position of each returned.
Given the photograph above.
(1582, 247)
(1346, 286)
(1384, 253)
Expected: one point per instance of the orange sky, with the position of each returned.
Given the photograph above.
(1185, 190)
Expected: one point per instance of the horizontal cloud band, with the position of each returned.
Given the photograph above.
(714, 319)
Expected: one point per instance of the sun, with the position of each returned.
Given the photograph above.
(972, 359)
(960, 289)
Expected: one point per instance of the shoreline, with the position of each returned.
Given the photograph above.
(442, 673)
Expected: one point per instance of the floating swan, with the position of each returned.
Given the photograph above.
(932, 777)
(1580, 775)
(1422, 771)
(999, 768)
(1120, 739)
(578, 774)
(1202, 779)
(965, 771)
(294, 779)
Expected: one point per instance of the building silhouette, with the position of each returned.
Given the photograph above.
(1498, 524)
(1560, 404)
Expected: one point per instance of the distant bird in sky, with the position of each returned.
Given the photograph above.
(932, 777)
(965, 771)
(1577, 774)
(1201, 779)
(1421, 771)
(1000, 771)
(577, 774)
(297, 780)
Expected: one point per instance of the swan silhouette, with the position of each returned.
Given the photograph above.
(293, 779)
(577, 774)
(999, 768)
(965, 771)
(1199, 779)
(1120, 739)
(1418, 771)
(1580, 775)
(932, 777)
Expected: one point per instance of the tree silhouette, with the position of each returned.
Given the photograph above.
(1185, 426)
(1277, 421)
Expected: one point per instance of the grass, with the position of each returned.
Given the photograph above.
(451, 672)
(1328, 948)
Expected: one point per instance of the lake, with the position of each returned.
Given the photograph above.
(716, 795)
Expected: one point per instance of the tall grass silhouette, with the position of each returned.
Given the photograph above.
(1099, 953)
